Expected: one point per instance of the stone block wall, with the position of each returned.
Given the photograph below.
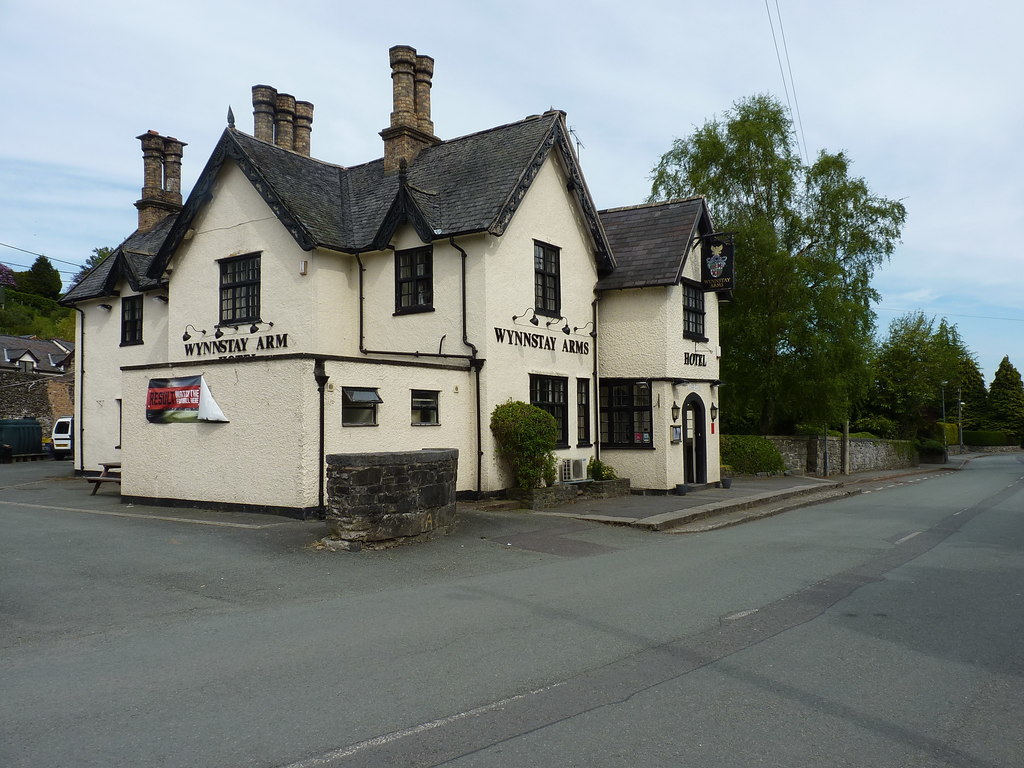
(807, 454)
(34, 396)
(385, 496)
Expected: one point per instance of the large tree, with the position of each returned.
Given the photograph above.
(41, 279)
(1006, 399)
(799, 335)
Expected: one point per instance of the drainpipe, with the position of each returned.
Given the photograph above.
(80, 372)
(597, 382)
(476, 364)
(321, 377)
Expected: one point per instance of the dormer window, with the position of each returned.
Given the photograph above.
(240, 289)
(414, 281)
(131, 320)
(546, 285)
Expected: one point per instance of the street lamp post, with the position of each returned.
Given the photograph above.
(945, 454)
(960, 417)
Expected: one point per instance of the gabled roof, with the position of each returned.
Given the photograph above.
(129, 261)
(471, 184)
(50, 356)
(651, 242)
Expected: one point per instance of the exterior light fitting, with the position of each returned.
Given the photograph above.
(533, 316)
(256, 326)
(675, 411)
(186, 335)
(714, 412)
(555, 321)
(593, 329)
(106, 307)
(220, 331)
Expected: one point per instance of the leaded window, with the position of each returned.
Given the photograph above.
(550, 393)
(626, 413)
(414, 281)
(240, 289)
(547, 288)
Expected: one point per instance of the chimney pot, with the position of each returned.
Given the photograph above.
(303, 126)
(411, 130)
(264, 107)
(284, 121)
(161, 190)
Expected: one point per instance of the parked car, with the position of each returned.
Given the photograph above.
(63, 437)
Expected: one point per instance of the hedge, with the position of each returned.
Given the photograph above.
(750, 454)
(987, 437)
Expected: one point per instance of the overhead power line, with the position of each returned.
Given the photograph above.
(33, 253)
(798, 120)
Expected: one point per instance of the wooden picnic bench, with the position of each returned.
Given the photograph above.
(111, 474)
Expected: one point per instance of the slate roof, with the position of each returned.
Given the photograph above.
(651, 242)
(130, 260)
(51, 356)
(465, 185)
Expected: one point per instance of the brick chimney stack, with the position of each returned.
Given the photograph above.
(411, 130)
(161, 184)
(281, 120)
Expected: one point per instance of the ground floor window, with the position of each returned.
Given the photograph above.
(550, 393)
(359, 406)
(626, 413)
(424, 407)
(583, 412)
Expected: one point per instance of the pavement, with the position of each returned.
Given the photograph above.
(749, 498)
(52, 484)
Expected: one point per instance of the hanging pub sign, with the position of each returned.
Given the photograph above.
(717, 264)
(185, 399)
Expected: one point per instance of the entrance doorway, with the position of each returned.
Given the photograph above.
(695, 447)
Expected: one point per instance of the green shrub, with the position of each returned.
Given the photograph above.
(598, 470)
(750, 454)
(982, 437)
(881, 426)
(930, 448)
(526, 436)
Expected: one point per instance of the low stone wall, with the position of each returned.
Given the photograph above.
(566, 493)
(807, 454)
(384, 496)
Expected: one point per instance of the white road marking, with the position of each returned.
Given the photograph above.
(387, 738)
(165, 518)
(908, 537)
(741, 614)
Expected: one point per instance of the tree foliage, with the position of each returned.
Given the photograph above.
(1006, 399)
(7, 276)
(41, 279)
(799, 334)
(98, 255)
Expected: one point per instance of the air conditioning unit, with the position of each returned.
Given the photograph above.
(573, 469)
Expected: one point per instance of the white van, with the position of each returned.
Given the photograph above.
(63, 437)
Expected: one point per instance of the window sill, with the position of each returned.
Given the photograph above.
(425, 424)
(352, 424)
(695, 337)
(131, 343)
(626, 447)
(584, 445)
(412, 311)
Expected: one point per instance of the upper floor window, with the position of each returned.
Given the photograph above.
(240, 289)
(693, 312)
(550, 393)
(131, 320)
(546, 286)
(414, 280)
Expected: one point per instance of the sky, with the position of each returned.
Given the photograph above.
(923, 95)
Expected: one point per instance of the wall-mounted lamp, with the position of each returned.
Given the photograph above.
(303, 266)
(564, 329)
(675, 411)
(534, 320)
(186, 335)
(714, 412)
(256, 326)
(161, 297)
(593, 329)
(220, 331)
(106, 307)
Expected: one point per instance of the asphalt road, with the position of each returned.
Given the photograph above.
(880, 630)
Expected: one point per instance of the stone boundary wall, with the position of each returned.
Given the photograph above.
(955, 449)
(806, 455)
(567, 493)
(384, 496)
